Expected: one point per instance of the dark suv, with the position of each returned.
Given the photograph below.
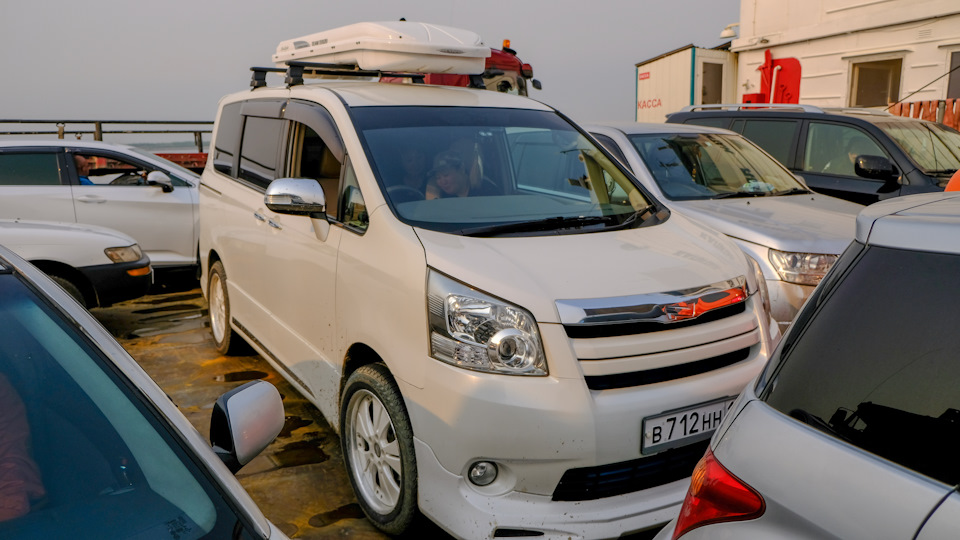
(861, 155)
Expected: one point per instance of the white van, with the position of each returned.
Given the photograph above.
(509, 333)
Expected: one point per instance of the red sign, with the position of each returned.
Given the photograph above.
(645, 75)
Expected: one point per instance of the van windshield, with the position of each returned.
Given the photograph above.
(491, 172)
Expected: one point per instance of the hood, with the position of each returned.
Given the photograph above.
(20, 231)
(534, 272)
(798, 223)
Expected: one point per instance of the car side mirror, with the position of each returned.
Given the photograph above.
(876, 168)
(299, 197)
(536, 84)
(160, 178)
(244, 421)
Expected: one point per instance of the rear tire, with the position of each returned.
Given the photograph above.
(377, 442)
(71, 289)
(227, 341)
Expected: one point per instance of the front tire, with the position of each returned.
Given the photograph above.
(71, 289)
(377, 442)
(227, 341)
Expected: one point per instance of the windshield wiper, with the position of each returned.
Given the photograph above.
(738, 194)
(555, 223)
(792, 191)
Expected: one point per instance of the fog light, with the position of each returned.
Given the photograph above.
(483, 473)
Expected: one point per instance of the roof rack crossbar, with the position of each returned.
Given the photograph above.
(741, 106)
(259, 78)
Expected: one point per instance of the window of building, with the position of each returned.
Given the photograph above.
(953, 84)
(876, 84)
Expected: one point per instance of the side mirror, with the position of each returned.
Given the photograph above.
(536, 84)
(296, 196)
(160, 178)
(876, 168)
(244, 421)
(299, 197)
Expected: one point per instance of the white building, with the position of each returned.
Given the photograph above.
(863, 53)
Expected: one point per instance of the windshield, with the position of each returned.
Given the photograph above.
(690, 166)
(496, 171)
(934, 148)
(82, 453)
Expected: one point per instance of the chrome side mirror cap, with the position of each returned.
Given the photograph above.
(297, 196)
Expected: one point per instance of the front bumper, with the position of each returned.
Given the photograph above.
(113, 283)
(536, 429)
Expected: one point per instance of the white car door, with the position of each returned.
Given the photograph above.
(118, 196)
(35, 184)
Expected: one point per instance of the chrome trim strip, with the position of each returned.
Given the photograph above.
(636, 308)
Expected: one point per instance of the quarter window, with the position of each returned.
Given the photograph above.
(876, 84)
(228, 139)
(39, 169)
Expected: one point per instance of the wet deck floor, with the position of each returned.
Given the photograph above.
(299, 481)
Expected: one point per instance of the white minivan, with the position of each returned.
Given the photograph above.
(508, 341)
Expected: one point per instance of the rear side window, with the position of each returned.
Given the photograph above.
(777, 137)
(258, 153)
(228, 139)
(877, 365)
(39, 169)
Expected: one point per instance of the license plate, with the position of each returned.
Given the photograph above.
(683, 426)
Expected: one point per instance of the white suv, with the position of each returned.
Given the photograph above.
(110, 185)
(546, 355)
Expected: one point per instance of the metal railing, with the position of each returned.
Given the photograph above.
(62, 128)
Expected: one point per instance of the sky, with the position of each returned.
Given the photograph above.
(174, 59)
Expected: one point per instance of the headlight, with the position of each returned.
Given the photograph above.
(761, 283)
(801, 268)
(124, 254)
(472, 330)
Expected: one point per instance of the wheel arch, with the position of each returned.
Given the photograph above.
(71, 274)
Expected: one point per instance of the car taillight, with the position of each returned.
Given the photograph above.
(716, 496)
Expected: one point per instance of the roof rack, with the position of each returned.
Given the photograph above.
(296, 70)
(858, 110)
(742, 106)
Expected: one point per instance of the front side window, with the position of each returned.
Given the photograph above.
(496, 171)
(29, 169)
(81, 446)
(708, 166)
(833, 148)
(934, 148)
(311, 157)
(874, 365)
(875, 84)
(97, 169)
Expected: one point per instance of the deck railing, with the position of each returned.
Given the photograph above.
(99, 128)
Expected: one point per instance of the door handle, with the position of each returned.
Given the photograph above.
(259, 216)
(274, 224)
(91, 199)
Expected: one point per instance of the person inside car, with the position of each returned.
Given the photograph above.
(19, 475)
(449, 178)
(83, 169)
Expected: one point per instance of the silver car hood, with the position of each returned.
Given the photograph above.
(799, 223)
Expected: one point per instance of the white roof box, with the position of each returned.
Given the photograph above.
(400, 46)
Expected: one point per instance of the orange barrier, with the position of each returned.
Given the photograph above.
(928, 110)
